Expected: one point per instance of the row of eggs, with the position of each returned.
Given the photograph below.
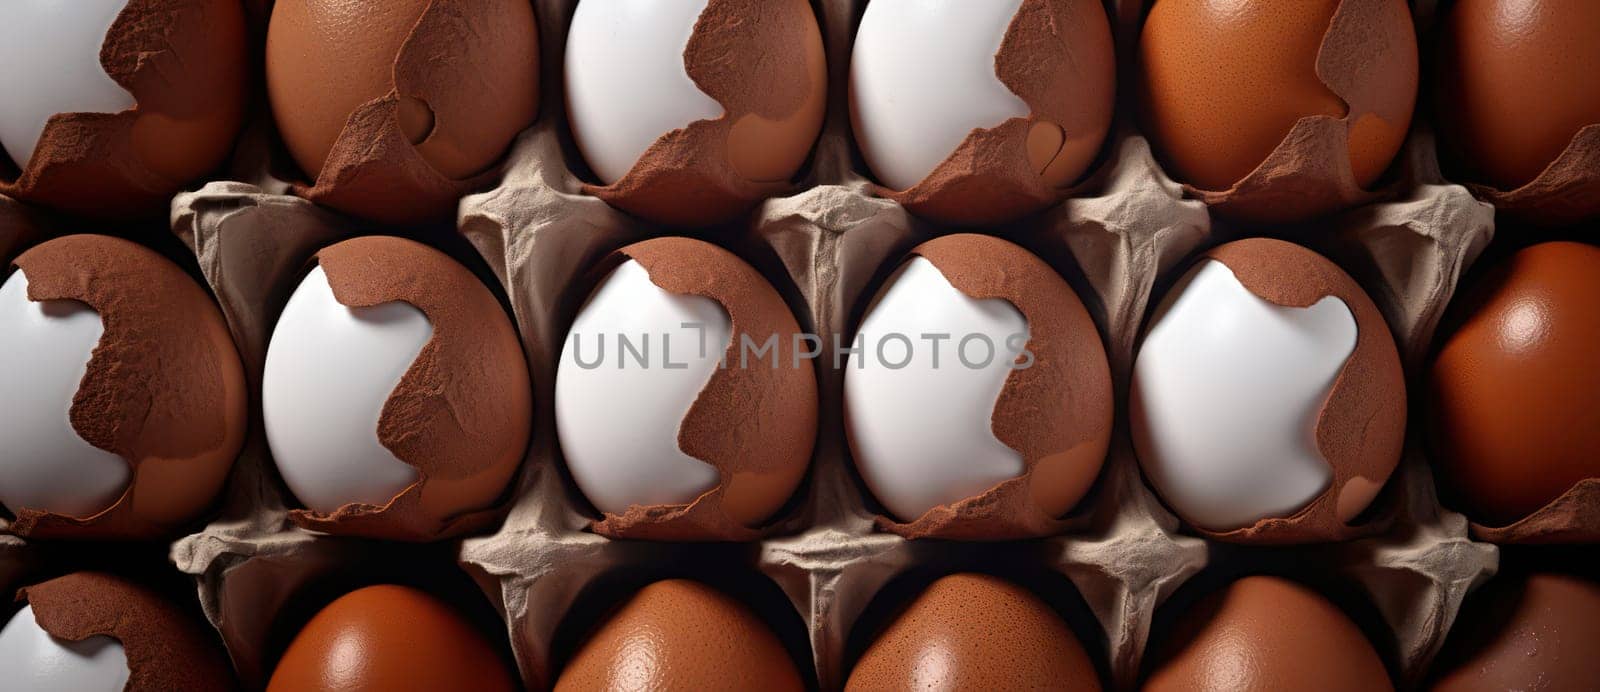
(1267, 400)
(690, 112)
(91, 631)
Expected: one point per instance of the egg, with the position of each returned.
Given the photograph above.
(109, 107)
(977, 397)
(1513, 388)
(88, 632)
(981, 113)
(125, 399)
(1537, 632)
(681, 635)
(1265, 633)
(395, 395)
(390, 637)
(696, 356)
(394, 110)
(975, 632)
(1267, 400)
(1516, 85)
(690, 112)
(1223, 85)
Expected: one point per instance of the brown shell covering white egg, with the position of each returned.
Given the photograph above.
(763, 62)
(166, 649)
(185, 62)
(1057, 56)
(1365, 68)
(1361, 426)
(164, 389)
(396, 110)
(462, 413)
(759, 463)
(1056, 413)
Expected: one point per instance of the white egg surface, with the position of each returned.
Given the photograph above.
(34, 661)
(53, 66)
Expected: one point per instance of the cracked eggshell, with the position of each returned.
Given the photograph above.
(109, 107)
(693, 466)
(691, 112)
(975, 632)
(1513, 393)
(395, 110)
(957, 441)
(679, 634)
(125, 395)
(1278, 111)
(395, 395)
(1267, 403)
(1519, 106)
(93, 631)
(1536, 632)
(981, 113)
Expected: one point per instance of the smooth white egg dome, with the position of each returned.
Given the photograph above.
(626, 80)
(44, 352)
(618, 421)
(329, 371)
(32, 660)
(1226, 392)
(922, 78)
(54, 67)
(922, 436)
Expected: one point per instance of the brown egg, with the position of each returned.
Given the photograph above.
(390, 637)
(132, 110)
(394, 110)
(681, 635)
(975, 632)
(1515, 388)
(1266, 633)
(1224, 83)
(155, 420)
(1524, 633)
(1516, 84)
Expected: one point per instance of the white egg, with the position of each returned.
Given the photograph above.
(626, 80)
(922, 77)
(34, 661)
(918, 408)
(50, 50)
(329, 371)
(44, 352)
(618, 420)
(1225, 397)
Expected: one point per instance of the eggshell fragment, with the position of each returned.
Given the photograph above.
(962, 442)
(35, 661)
(1537, 632)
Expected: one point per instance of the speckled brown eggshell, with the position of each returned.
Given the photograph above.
(390, 637)
(681, 635)
(164, 389)
(166, 649)
(1538, 632)
(1519, 105)
(395, 110)
(975, 632)
(1265, 633)
(1278, 111)
(462, 413)
(185, 62)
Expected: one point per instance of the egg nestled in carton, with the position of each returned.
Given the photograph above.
(692, 112)
(978, 400)
(125, 398)
(698, 358)
(1267, 401)
(1278, 111)
(1524, 632)
(394, 110)
(109, 107)
(981, 113)
(395, 394)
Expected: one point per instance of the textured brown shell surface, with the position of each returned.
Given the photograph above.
(1524, 633)
(164, 388)
(165, 649)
